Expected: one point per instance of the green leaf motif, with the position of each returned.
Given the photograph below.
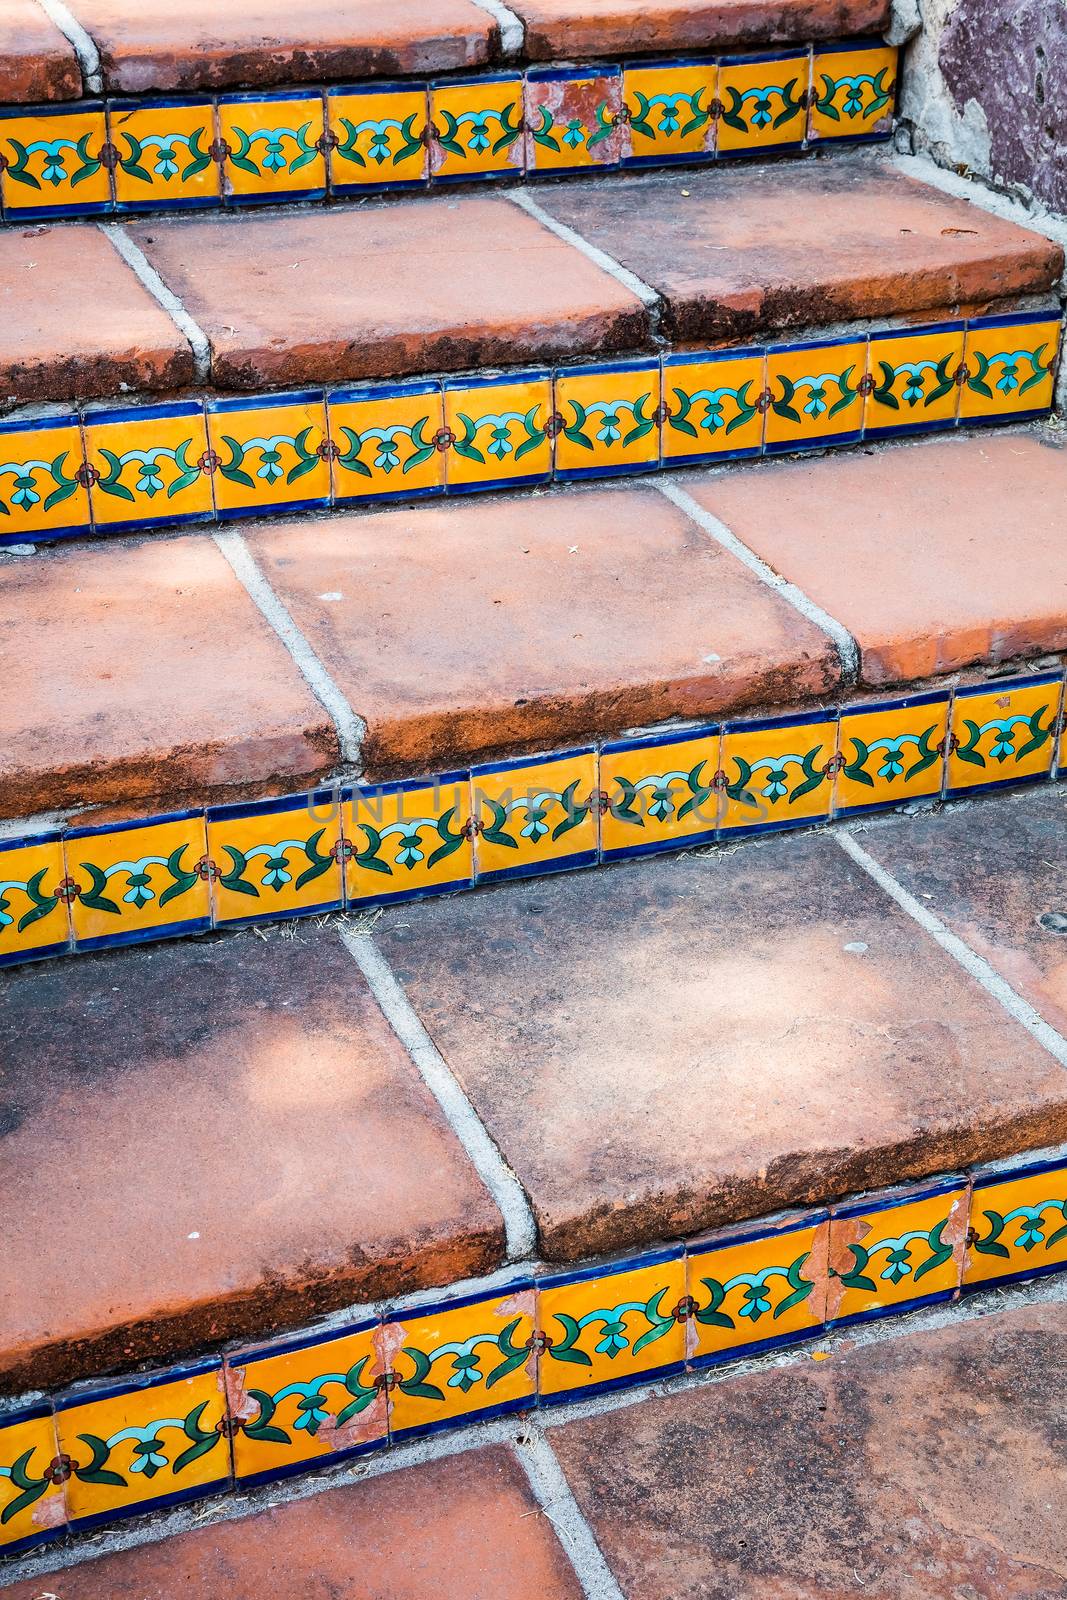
(32, 1488)
(416, 1384)
(95, 1471)
(41, 904)
(94, 897)
(264, 1426)
(801, 1287)
(203, 1440)
(183, 880)
(566, 1349)
(710, 1315)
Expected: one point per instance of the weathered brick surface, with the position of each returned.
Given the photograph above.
(211, 1139)
(665, 1046)
(630, 27)
(36, 61)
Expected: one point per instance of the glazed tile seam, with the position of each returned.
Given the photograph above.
(204, 151)
(990, 1224)
(354, 847)
(104, 467)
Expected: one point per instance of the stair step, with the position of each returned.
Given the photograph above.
(147, 48)
(442, 626)
(260, 1150)
(36, 61)
(471, 281)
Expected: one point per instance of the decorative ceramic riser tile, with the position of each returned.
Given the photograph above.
(274, 454)
(274, 147)
(1018, 1225)
(477, 129)
(764, 100)
(164, 155)
(133, 1446)
(1010, 367)
(853, 91)
(671, 110)
(894, 1251)
(53, 162)
(380, 134)
(573, 119)
(302, 855)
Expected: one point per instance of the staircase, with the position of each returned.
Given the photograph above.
(533, 1039)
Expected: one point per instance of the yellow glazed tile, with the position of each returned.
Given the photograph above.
(386, 440)
(499, 431)
(52, 162)
(381, 137)
(669, 112)
(33, 899)
(609, 419)
(891, 752)
(459, 1358)
(572, 114)
(477, 128)
(269, 453)
(816, 394)
(539, 816)
(1018, 1224)
(779, 773)
(306, 1401)
(884, 1256)
(408, 839)
(763, 100)
(41, 491)
(913, 379)
(754, 1288)
(1003, 734)
(149, 466)
(1011, 364)
(1063, 750)
(659, 793)
(280, 859)
(853, 92)
(154, 1440)
(132, 882)
(609, 1328)
(275, 146)
(712, 406)
(32, 1502)
(163, 151)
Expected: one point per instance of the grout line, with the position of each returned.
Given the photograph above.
(972, 963)
(847, 648)
(520, 1229)
(83, 45)
(351, 729)
(512, 28)
(629, 280)
(136, 259)
(556, 1498)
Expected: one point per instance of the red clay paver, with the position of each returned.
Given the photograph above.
(933, 555)
(36, 61)
(58, 341)
(136, 672)
(1001, 887)
(206, 44)
(664, 1046)
(925, 1464)
(802, 244)
(414, 286)
(629, 27)
(467, 1528)
(464, 629)
(213, 1139)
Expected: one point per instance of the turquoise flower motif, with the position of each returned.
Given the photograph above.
(853, 100)
(274, 160)
(149, 482)
(610, 430)
(465, 1372)
(271, 468)
(501, 445)
(25, 493)
(148, 1458)
(312, 1414)
(139, 893)
(668, 122)
(575, 134)
(713, 416)
(817, 404)
(409, 854)
(898, 1264)
(276, 876)
(379, 145)
(662, 806)
(776, 786)
(761, 116)
(167, 164)
(1031, 1233)
(388, 455)
(54, 170)
(1010, 378)
(537, 827)
(757, 1302)
(5, 919)
(892, 764)
(479, 135)
(1003, 744)
(614, 1339)
(914, 388)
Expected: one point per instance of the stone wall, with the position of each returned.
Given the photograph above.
(985, 90)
